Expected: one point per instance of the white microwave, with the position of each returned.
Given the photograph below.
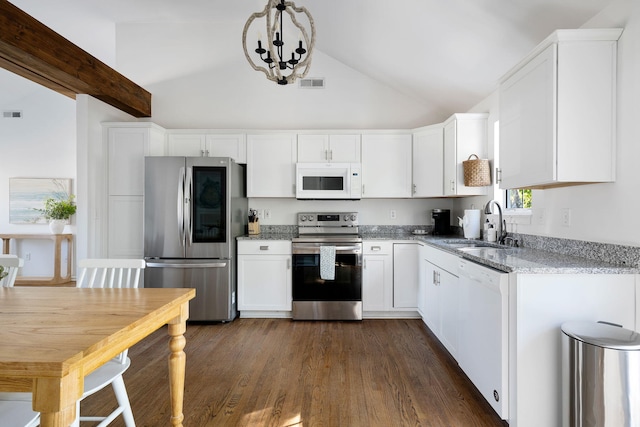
(334, 181)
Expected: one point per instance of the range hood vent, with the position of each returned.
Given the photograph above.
(12, 114)
(315, 83)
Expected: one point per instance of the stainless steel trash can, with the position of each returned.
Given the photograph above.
(601, 375)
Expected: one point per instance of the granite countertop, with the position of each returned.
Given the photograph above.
(508, 259)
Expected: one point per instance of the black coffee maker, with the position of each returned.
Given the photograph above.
(441, 221)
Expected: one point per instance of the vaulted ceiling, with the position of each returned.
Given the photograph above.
(447, 54)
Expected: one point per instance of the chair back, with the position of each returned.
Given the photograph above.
(11, 264)
(109, 273)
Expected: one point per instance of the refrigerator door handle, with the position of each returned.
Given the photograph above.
(188, 225)
(174, 265)
(180, 206)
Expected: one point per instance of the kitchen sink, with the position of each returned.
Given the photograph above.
(468, 246)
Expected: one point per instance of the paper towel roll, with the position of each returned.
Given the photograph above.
(471, 223)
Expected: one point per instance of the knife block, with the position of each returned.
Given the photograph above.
(254, 228)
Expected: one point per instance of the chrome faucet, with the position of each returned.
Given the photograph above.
(502, 224)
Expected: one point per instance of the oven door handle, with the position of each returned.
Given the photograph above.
(297, 249)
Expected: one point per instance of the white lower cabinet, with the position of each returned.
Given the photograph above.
(264, 277)
(441, 305)
(405, 275)
(377, 275)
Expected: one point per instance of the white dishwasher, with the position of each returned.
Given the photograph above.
(484, 331)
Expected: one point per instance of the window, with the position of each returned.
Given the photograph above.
(518, 198)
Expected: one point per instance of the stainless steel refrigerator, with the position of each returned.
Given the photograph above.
(194, 208)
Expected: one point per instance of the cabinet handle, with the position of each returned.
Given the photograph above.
(206, 153)
(453, 186)
(264, 248)
(376, 248)
(330, 155)
(326, 154)
(363, 189)
(364, 264)
(288, 263)
(414, 189)
(201, 153)
(498, 175)
(433, 280)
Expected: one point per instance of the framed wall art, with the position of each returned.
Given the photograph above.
(27, 195)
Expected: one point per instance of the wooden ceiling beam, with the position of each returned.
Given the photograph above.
(36, 52)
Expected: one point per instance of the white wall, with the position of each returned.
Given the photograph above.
(604, 212)
(42, 144)
(199, 78)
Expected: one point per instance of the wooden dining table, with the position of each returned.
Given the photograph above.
(50, 338)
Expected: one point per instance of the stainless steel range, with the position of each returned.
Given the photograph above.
(327, 267)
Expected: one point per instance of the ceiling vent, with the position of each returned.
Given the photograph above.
(312, 83)
(12, 114)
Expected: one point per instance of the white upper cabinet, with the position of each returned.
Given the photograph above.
(329, 148)
(557, 112)
(207, 145)
(271, 165)
(186, 144)
(386, 166)
(464, 135)
(128, 144)
(427, 162)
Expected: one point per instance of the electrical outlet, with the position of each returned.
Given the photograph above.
(267, 214)
(566, 217)
(27, 256)
(392, 214)
(540, 216)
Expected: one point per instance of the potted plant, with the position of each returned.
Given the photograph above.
(58, 212)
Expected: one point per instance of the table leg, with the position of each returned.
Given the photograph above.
(55, 399)
(177, 364)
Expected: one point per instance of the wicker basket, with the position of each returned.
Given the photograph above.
(477, 172)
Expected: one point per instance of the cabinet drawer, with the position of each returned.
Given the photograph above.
(377, 247)
(442, 259)
(253, 247)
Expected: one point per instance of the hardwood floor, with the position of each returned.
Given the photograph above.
(283, 373)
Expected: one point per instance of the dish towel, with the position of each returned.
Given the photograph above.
(328, 262)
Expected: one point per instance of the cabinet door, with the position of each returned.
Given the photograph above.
(432, 298)
(527, 123)
(329, 148)
(264, 282)
(127, 148)
(449, 311)
(386, 166)
(234, 146)
(190, 145)
(125, 238)
(376, 276)
(428, 163)
(405, 275)
(313, 148)
(344, 148)
(271, 165)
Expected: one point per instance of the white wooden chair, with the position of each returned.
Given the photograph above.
(11, 264)
(109, 273)
(15, 408)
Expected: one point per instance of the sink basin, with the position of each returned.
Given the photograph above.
(469, 246)
(478, 247)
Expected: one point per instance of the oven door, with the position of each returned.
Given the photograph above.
(317, 298)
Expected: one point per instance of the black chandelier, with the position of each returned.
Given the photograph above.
(274, 55)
